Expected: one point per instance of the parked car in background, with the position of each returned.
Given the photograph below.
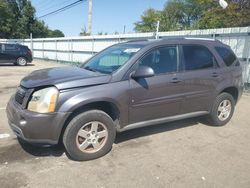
(15, 53)
(126, 86)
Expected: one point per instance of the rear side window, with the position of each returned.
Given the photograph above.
(227, 55)
(10, 47)
(197, 57)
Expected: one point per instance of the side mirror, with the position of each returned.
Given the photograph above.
(143, 72)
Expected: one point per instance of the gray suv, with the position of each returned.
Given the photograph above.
(126, 86)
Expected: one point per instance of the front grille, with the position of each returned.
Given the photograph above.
(20, 94)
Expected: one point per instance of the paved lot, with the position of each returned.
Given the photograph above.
(181, 154)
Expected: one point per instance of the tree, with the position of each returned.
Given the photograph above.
(84, 31)
(26, 19)
(39, 29)
(195, 14)
(102, 33)
(55, 33)
(17, 20)
(6, 19)
(148, 21)
(237, 14)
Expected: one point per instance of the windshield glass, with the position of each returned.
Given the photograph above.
(111, 59)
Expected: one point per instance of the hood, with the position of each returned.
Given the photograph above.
(64, 78)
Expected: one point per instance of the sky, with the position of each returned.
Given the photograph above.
(108, 15)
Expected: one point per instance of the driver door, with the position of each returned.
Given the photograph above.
(158, 96)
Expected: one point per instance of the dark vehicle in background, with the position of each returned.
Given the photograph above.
(15, 53)
(126, 86)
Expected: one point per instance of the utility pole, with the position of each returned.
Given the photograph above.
(90, 18)
(157, 30)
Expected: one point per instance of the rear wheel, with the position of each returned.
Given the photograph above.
(89, 135)
(21, 61)
(222, 110)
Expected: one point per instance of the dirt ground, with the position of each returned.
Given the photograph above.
(180, 154)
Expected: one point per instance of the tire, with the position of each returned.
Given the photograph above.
(216, 116)
(21, 61)
(93, 125)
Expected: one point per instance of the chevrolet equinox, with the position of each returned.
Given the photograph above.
(126, 86)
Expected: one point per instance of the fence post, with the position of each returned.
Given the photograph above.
(43, 47)
(71, 50)
(68, 42)
(56, 49)
(93, 45)
(31, 43)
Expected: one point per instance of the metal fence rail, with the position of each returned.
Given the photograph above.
(79, 49)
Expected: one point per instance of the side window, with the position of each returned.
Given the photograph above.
(10, 47)
(227, 55)
(161, 60)
(197, 57)
(3, 48)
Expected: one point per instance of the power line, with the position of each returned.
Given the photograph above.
(52, 5)
(62, 9)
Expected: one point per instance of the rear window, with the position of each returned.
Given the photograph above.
(227, 55)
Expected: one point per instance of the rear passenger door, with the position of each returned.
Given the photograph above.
(9, 53)
(2, 53)
(2, 56)
(199, 71)
(158, 96)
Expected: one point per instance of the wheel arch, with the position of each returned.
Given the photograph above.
(108, 107)
(232, 91)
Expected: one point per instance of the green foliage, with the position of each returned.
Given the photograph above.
(84, 32)
(56, 33)
(17, 20)
(148, 21)
(237, 14)
(195, 14)
(6, 18)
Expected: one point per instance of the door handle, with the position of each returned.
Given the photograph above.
(215, 74)
(175, 80)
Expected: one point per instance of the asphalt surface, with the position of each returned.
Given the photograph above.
(181, 154)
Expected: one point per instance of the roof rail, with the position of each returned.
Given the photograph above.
(137, 40)
(194, 38)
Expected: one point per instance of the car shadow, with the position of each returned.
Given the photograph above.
(12, 65)
(42, 151)
(59, 150)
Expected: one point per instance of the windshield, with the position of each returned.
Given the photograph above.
(111, 58)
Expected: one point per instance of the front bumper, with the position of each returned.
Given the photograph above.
(35, 127)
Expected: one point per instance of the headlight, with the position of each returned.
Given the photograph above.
(44, 100)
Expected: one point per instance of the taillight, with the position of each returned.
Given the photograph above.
(29, 52)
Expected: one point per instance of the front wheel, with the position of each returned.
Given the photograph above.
(21, 61)
(89, 135)
(222, 110)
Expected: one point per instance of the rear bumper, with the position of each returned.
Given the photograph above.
(35, 127)
(29, 59)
